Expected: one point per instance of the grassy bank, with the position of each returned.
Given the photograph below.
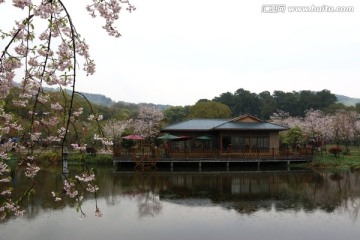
(54, 158)
(349, 161)
(101, 159)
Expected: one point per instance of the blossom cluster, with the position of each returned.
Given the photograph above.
(31, 170)
(45, 48)
(10, 207)
(103, 140)
(317, 126)
(7, 206)
(21, 3)
(92, 117)
(86, 177)
(109, 10)
(70, 189)
(113, 129)
(56, 196)
(148, 122)
(4, 169)
(77, 147)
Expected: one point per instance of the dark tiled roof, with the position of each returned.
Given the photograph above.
(196, 124)
(250, 126)
(221, 124)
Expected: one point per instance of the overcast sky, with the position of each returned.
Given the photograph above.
(177, 52)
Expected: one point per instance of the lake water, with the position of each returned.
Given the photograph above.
(191, 205)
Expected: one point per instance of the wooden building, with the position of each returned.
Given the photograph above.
(242, 139)
(245, 134)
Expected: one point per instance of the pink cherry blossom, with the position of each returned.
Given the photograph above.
(56, 106)
(45, 49)
(31, 170)
(22, 3)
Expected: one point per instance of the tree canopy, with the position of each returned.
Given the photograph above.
(262, 105)
(209, 109)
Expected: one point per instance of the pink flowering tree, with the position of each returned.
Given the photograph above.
(44, 49)
(148, 122)
(284, 119)
(294, 136)
(345, 127)
(113, 129)
(318, 128)
(315, 126)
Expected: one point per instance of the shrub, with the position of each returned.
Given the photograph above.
(51, 157)
(335, 150)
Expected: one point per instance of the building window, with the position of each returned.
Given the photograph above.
(261, 142)
(246, 143)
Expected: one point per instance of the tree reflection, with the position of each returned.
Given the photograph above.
(249, 192)
(246, 192)
(149, 204)
(144, 188)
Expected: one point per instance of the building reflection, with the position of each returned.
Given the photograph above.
(248, 192)
(244, 191)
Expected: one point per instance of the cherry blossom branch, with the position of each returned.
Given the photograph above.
(74, 77)
(14, 37)
(44, 65)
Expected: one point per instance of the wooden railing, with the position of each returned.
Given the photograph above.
(211, 153)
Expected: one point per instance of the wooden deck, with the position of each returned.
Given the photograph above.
(150, 158)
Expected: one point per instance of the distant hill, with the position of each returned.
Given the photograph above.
(102, 100)
(99, 99)
(347, 101)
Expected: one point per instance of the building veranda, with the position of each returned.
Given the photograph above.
(242, 139)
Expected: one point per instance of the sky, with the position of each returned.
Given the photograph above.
(177, 52)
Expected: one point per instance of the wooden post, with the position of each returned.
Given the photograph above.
(288, 165)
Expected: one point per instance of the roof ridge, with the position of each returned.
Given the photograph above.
(246, 115)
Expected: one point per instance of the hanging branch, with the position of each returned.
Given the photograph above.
(74, 77)
(45, 65)
(93, 112)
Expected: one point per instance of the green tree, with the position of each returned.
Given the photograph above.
(203, 100)
(176, 114)
(123, 111)
(287, 102)
(267, 105)
(326, 98)
(294, 137)
(228, 99)
(246, 102)
(333, 108)
(209, 109)
(307, 100)
(357, 107)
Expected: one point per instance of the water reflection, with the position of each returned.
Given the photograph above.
(246, 192)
